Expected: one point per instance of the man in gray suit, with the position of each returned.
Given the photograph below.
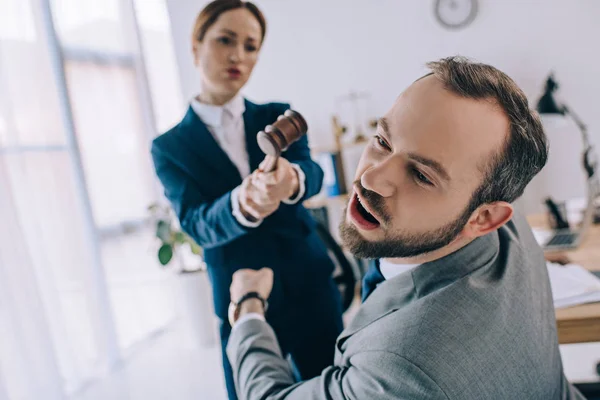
(458, 305)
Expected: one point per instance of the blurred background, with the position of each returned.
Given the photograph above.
(87, 310)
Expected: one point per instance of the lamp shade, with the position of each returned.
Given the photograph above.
(547, 103)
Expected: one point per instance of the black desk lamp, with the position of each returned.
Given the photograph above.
(547, 105)
(567, 238)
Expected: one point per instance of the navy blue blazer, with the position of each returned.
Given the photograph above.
(198, 177)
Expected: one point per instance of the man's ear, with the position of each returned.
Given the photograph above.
(488, 218)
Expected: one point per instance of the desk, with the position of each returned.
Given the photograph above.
(580, 323)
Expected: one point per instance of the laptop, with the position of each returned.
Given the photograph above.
(563, 239)
(569, 238)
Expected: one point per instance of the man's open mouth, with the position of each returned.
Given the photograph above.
(359, 214)
(364, 213)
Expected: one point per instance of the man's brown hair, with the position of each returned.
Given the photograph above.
(525, 151)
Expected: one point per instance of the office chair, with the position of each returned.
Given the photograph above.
(343, 275)
(591, 391)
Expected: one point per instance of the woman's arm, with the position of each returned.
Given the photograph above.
(210, 222)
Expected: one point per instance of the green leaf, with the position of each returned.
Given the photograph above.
(163, 231)
(180, 237)
(165, 253)
(197, 250)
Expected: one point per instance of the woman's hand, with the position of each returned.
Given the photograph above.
(281, 184)
(255, 204)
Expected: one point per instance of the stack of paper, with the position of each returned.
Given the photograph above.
(572, 285)
(541, 235)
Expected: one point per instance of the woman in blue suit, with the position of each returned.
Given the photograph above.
(243, 218)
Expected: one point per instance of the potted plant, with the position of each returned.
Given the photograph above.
(175, 244)
(175, 247)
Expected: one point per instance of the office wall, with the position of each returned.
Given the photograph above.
(318, 50)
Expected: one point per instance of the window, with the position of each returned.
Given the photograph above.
(159, 54)
(38, 175)
(116, 111)
(77, 113)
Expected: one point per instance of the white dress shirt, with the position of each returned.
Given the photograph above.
(226, 124)
(390, 270)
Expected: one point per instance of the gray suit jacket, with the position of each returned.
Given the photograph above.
(477, 324)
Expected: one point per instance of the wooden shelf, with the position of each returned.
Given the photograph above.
(324, 201)
(333, 149)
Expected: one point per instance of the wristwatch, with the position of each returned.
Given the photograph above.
(233, 312)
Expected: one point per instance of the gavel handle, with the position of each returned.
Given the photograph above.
(270, 164)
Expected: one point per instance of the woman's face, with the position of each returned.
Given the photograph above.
(228, 52)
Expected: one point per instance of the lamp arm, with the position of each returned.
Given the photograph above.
(589, 159)
(582, 127)
(588, 164)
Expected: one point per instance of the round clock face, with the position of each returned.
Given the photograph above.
(455, 14)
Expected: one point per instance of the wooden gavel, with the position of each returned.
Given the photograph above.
(276, 138)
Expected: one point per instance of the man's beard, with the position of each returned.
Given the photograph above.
(398, 245)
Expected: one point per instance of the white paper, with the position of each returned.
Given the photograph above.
(572, 285)
(541, 235)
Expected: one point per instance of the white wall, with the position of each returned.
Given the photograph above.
(183, 14)
(317, 50)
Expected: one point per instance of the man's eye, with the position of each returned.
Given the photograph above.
(421, 177)
(380, 142)
(224, 40)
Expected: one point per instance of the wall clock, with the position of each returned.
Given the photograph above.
(455, 14)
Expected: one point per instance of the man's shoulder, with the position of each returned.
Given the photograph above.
(456, 340)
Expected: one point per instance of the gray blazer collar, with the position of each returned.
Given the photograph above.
(392, 294)
(436, 274)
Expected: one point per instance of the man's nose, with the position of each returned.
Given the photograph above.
(384, 177)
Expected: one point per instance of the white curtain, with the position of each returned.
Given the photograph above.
(28, 365)
(48, 344)
(79, 287)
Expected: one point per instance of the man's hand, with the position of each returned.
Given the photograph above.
(281, 184)
(249, 280)
(254, 202)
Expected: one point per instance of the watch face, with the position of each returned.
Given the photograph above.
(455, 14)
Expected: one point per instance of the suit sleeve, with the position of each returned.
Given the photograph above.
(210, 222)
(299, 153)
(260, 372)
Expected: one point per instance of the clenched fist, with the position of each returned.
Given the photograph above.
(255, 204)
(249, 280)
(281, 184)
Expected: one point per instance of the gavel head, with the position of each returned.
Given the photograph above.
(276, 138)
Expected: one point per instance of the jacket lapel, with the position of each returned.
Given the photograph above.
(200, 141)
(254, 122)
(389, 296)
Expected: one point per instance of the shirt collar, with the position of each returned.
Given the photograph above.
(213, 115)
(390, 270)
